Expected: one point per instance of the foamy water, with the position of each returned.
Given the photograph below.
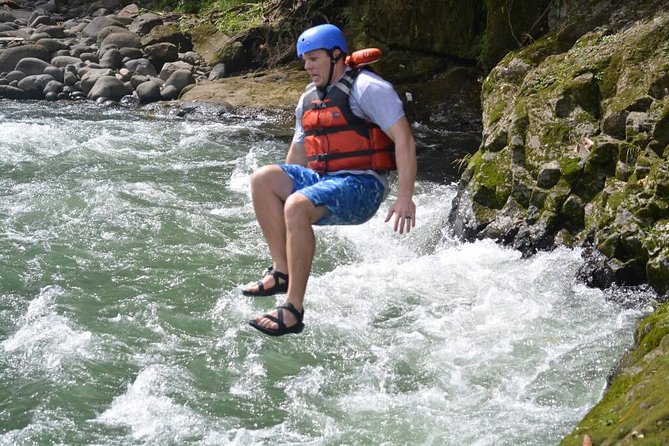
(127, 236)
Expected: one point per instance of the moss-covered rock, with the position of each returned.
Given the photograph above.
(587, 127)
(635, 408)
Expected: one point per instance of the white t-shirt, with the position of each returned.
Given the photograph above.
(371, 98)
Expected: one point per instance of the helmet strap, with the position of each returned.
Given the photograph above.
(333, 61)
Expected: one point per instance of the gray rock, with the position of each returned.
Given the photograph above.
(104, 4)
(217, 72)
(144, 23)
(137, 80)
(15, 76)
(91, 57)
(191, 57)
(148, 92)
(89, 79)
(31, 65)
(7, 27)
(34, 85)
(111, 59)
(70, 78)
(55, 72)
(122, 40)
(162, 52)
(62, 61)
(131, 53)
(549, 175)
(141, 67)
(77, 49)
(108, 30)
(54, 31)
(53, 87)
(41, 20)
(6, 17)
(180, 79)
(10, 92)
(96, 25)
(11, 56)
(34, 37)
(171, 67)
(53, 45)
(169, 93)
(108, 87)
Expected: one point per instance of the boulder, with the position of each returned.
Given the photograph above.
(107, 30)
(217, 72)
(171, 67)
(31, 65)
(15, 76)
(97, 24)
(62, 61)
(122, 40)
(170, 32)
(52, 45)
(55, 72)
(10, 92)
(111, 59)
(144, 23)
(9, 57)
(148, 92)
(55, 31)
(169, 93)
(141, 67)
(89, 79)
(6, 17)
(180, 79)
(53, 87)
(34, 85)
(162, 52)
(108, 87)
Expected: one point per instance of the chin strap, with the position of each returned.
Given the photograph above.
(322, 92)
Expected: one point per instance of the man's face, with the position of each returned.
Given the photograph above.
(317, 64)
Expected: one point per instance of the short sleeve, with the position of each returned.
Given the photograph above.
(375, 99)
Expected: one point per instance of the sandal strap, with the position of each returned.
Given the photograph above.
(277, 275)
(290, 307)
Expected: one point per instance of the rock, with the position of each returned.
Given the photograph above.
(55, 72)
(122, 40)
(172, 67)
(108, 87)
(111, 59)
(98, 23)
(234, 56)
(111, 5)
(62, 61)
(10, 92)
(15, 76)
(191, 57)
(53, 87)
(11, 56)
(31, 65)
(137, 80)
(180, 79)
(549, 175)
(34, 85)
(169, 93)
(7, 17)
(168, 33)
(131, 53)
(144, 23)
(89, 79)
(148, 92)
(39, 20)
(141, 67)
(161, 52)
(108, 30)
(54, 31)
(130, 11)
(70, 78)
(52, 45)
(217, 72)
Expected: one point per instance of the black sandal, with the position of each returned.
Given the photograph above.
(278, 288)
(282, 329)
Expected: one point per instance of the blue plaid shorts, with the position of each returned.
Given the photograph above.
(352, 199)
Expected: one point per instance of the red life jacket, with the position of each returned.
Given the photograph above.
(336, 139)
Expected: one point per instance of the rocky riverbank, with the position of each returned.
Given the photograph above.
(108, 54)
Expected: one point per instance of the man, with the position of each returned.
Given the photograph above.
(347, 122)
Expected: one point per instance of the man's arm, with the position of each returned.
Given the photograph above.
(405, 156)
(297, 154)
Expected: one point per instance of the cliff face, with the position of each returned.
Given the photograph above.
(574, 151)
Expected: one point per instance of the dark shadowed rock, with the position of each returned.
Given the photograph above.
(180, 79)
(9, 92)
(96, 25)
(11, 56)
(31, 65)
(148, 92)
(122, 40)
(34, 85)
(141, 67)
(62, 61)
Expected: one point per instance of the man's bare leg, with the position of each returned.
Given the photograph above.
(270, 187)
(299, 214)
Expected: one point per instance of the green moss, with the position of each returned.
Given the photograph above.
(637, 400)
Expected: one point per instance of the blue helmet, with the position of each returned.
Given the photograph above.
(321, 37)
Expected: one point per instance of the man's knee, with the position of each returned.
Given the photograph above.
(299, 209)
(270, 178)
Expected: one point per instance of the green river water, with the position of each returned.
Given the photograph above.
(126, 236)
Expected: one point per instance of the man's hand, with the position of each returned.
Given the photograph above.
(405, 215)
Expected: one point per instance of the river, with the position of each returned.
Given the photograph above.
(125, 238)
